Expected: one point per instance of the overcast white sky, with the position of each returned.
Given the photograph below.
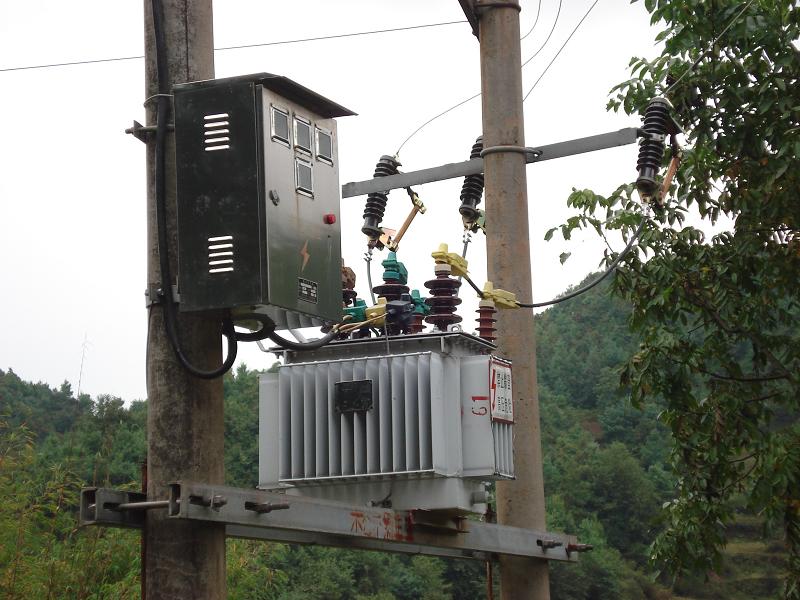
(72, 185)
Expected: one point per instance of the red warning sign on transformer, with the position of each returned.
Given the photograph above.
(501, 396)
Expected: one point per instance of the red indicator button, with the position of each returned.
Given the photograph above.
(329, 219)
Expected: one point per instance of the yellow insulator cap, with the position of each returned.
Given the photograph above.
(501, 298)
(457, 263)
(379, 310)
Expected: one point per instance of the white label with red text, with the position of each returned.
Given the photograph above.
(501, 397)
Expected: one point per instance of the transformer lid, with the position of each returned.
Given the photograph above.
(291, 90)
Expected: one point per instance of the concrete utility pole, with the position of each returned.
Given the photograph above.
(519, 503)
(184, 414)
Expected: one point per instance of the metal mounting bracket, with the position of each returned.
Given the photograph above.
(153, 295)
(537, 154)
(286, 517)
(143, 132)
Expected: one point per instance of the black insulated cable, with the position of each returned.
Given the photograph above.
(262, 333)
(167, 300)
(636, 235)
(301, 346)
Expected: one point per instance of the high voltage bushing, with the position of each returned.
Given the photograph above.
(395, 277)
(486, 312)
(376, 201)
(443, 299)
(421, 309)
(472, 188)
(348, 286)
(651, 148)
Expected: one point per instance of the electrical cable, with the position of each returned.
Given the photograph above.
(547, 68)
(301, 346)
(455, 106)
(167, 299)
(432, 119)
(340, 35)
(478, 290)
(549, 35)
(530, 31)
(710, 47)
(368, 260)
(637, 234)
(223, 48)
(260, 334)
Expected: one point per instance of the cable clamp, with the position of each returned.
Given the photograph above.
(457, 263)
(533, 153)
(500, 298)
(149, 99)
(154, 295)
(482, 6)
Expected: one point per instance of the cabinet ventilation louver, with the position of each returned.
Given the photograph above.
(220, 254)
(216, 133)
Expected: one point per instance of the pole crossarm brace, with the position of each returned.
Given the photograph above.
(603, 141)
(295, 519)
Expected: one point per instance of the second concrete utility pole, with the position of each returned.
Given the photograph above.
(519, 503)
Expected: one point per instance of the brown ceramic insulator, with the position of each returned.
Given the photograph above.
(348, 296)
(417, 323)
(390, 291)
(486, 321)
(444, 299)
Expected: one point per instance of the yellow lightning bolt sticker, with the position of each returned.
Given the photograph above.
(304, 253)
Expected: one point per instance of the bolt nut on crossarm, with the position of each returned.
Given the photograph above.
(266, 507)
(571, 548)
(547, 544)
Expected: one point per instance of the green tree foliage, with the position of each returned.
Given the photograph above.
(42, 555)
(717, 315)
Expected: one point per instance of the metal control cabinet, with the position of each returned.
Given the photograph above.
(421, 427)
(258, 199)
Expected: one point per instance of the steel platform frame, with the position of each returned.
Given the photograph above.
(295, 519)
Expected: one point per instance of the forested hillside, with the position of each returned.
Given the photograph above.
(606, 478)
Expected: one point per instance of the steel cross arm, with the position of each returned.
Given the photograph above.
(313, 521)
(592, 143)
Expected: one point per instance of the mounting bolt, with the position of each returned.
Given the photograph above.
(214, 501)
(546, 544)
(265, 507)
(578, 548)
(273, 195)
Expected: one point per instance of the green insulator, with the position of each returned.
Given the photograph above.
(395, 271)
(420, 307)
(357, 312)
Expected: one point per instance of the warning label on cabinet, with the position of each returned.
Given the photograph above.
(307, 290)
(501, 394)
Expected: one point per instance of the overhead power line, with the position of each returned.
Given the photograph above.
(549, 35)
(550, 64)
(535, 21)
(710, 47)
(222, 48)
(462, 102)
